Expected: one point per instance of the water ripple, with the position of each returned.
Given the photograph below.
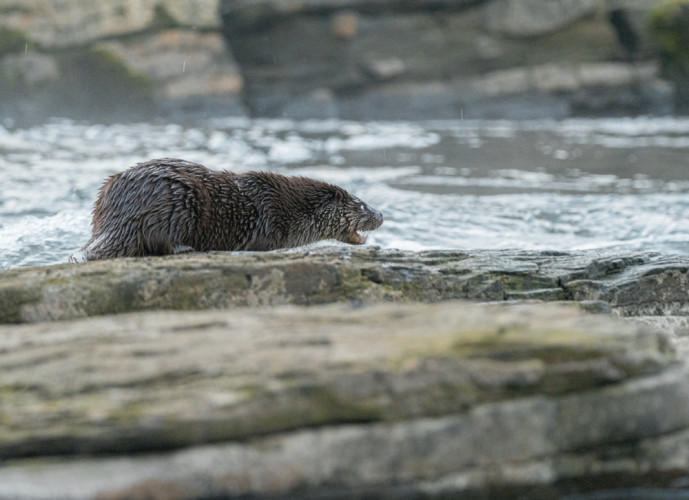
(575, 184)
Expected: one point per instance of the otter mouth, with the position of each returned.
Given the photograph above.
(372, 221)
(354, 238)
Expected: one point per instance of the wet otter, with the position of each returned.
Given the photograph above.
(170, 206)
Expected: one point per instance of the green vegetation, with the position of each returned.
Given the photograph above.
(669, 23)
(12, 41)
(162, 19)
(107, 62)
(13, 297)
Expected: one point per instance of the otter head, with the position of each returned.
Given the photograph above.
(344, 217)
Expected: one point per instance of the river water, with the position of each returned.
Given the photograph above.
(559, 185)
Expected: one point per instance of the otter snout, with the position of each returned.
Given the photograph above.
(366, 219)
(375, 218)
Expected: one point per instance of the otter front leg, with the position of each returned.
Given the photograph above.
(182, 249)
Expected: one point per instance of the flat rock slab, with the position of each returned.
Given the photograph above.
(630, 284)
(412, 399)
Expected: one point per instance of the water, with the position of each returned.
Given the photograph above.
(575, 184)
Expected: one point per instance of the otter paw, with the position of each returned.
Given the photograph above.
(77, 257)
(182, 249)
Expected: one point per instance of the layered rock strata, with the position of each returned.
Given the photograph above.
(630, 285)
(433, 401)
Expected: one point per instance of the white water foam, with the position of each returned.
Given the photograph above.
(567, 185)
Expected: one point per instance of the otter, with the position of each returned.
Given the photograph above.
(169, 206)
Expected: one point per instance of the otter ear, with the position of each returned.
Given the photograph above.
(338, 196)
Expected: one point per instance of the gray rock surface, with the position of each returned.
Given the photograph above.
(67, 23)
(415, 59)
(115, 61)
(183, 65)
(359, 397)
(525, 18)
(350, 59)
(445, 400)
(633, 284)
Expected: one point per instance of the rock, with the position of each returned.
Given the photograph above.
(74, 22)
(28, 70)
(637, 14)
(581, 89)
(528, 18)
(252, 13)
(319, 104)
(607, 75)
(377, 45)
(385, 69)
(193, 13)
(128, 60)
(445, 400)
(504, 59)
(345, 24)
(608, 88)
(349, 59)
(504, 82)
(632, 284)
(394, 102)
(86, 83)
(676, 327)
(668, 23)
(555, 78)
(182, 64)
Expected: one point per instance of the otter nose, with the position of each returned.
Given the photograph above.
(376, 215)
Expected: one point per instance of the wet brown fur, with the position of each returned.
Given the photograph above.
(168, 206)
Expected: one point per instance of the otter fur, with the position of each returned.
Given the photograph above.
(170, 206)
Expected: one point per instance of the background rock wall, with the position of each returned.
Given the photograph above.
(358, 59)
(115, 60)
(480, 59)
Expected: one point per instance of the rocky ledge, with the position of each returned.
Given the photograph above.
(343, 372)
(629, 284)
(448, 400)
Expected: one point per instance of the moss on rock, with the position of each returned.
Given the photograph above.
(12, 41)
(111, 65)
(669, 24)
(162, 19)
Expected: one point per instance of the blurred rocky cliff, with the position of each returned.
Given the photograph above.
(358, 59)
